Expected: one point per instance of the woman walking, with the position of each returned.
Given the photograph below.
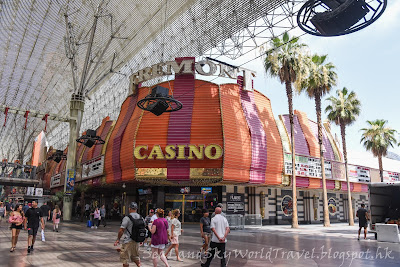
(96, 217)
(176, 231)
(159, 238)
(205, 231)
(56, 218)
(16, 219)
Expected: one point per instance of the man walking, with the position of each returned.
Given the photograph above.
(45, 212)
(363, 219)
(220, 228)
(26, 207)
(132, 226)
(31, 223)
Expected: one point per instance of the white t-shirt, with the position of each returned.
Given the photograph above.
(219, 223)
(153, 218)
(177, 226)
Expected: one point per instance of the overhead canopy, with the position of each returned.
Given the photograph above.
(35, 73)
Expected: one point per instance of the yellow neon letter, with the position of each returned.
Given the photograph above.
(137, 153)
(156, 151)
(194, 151)
(170, 152)
(218, 151)
(181, 152)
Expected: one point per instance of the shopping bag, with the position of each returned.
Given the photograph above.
(43, 239)
(89, 223)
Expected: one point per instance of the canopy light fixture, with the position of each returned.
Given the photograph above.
(159, 101)
(58, 156)
(338, 17)
(90, 139)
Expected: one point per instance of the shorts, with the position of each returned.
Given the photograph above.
(33, 231)
(161, 246)
(14, 226)
(129, 251)
(175, 240)
(363, 224)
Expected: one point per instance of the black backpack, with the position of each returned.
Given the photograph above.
(138, 232)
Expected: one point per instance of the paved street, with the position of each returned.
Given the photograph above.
(311, 245)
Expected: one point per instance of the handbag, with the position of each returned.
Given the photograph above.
(58, 216)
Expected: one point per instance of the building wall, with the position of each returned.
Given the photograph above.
(305, 203)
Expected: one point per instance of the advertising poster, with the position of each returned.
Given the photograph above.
(287, 205)
(70, 181)
(332, 205)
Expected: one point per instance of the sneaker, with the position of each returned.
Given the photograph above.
(358, 238)
(146, 245)
(95, 227)
(92, 227)
(148, 248)
(29, 249)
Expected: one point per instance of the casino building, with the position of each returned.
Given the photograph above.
(225, 145)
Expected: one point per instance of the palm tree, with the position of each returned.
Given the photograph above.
(285, 61)
(321, 79)
(343, 111)
(378, 138)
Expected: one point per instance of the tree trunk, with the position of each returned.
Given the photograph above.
(380, 167)
(289, 93)
(343, 132)
(321, 153)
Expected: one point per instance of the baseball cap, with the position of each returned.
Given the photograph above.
(133, 206)
(151, 211)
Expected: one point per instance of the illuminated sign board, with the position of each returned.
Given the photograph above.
(203, 67)
(311, 167)
(212, 151)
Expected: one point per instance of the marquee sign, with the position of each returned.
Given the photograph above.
(93, 168)
(311, 167)
(55, 181)
(391, 176)
(189, 66)
(180, 152)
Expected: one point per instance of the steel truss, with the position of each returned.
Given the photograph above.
(41, 78)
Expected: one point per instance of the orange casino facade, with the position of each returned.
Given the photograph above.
(225, 145)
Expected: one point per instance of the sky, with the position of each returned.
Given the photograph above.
(366, 63)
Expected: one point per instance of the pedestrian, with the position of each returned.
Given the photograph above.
(8, 206)
(56, 218)
(103, 215)
(220, 228)
(133, 231)
(147, 220)
(2, 211)
(46, 212)
(32, 218)
(219, 205)
(87, 210)
(96, 217)
(363, 219)
(205, 231)
(16, 219)
(176, 231)
(26, 207)
(159, 238)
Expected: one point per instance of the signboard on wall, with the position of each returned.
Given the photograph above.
(235, 203)
(391, 176)
(93, 168)
(39, 192)
(55, 181)
(206, 190)
(30, 191)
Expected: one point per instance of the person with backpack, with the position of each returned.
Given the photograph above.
(133, 231)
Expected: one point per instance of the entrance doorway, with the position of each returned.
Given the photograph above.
(191, 205)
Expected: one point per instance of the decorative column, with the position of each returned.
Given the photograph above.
(77, 105)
